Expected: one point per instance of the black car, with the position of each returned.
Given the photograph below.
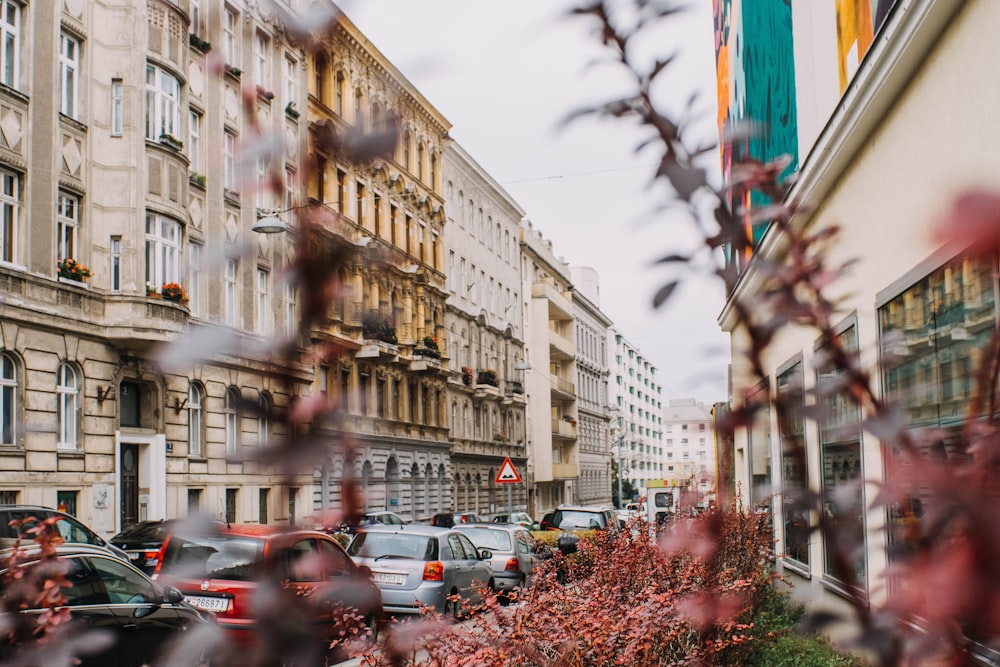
(138, 620)
(71, 529)
(449, 519)
(142, 541)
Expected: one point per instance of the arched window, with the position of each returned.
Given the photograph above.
(232, 419)
(196, 420)
(67, 395)
(406, 150)
(8, 399)
(341, 82)
(434, 167)
(359, 109)
(420, 162)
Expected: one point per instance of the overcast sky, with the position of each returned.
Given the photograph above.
(506, 75)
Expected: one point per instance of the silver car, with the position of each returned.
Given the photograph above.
(418, 566)
(513, 551)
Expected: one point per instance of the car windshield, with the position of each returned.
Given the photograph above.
(393, 545)
(488, 538)
(212, 557)
(579, 519)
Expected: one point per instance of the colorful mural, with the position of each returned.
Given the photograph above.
(857, 23)
(755, 69)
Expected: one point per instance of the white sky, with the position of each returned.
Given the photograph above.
(506, 74)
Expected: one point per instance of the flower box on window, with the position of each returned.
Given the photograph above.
(197, 42)
(173, 292)
(264, 94)
(172, 142)
(291, 111)
(70, 269)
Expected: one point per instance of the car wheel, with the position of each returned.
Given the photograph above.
(374, 626)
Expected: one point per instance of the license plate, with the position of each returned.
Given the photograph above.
(388, 578)
(217, 605)
(134, 555)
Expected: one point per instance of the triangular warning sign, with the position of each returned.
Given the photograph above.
(507, 474)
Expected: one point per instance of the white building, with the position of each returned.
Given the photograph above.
(637, 427)
(592, 327)
(689, 447)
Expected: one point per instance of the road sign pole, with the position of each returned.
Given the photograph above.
(510, 498)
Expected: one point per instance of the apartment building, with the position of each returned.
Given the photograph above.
(879, 111)
(484, 336)
(689, 445)
(128, 225)
(637, 412)
(595, 484)
(387, 366)
(550, 331)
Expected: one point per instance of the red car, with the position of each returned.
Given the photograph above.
(271, 588)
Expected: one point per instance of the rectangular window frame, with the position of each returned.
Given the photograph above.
(69, 75)
(67, 225)
(117, 107)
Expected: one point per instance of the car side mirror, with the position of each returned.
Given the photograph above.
(173, 595)
(485, 554)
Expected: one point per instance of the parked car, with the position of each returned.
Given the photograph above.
(141, 542)
(107, 594)
(71, 529)
(449, 519)
(584, 517)
(419, 566)
(520, 518)
(221, 569)
(375, 518)
(512, 549)
(546, 522)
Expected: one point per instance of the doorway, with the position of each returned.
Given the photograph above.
(128, 465)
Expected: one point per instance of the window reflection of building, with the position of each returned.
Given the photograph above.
(932, 339)
(840, 461)
(791, 398)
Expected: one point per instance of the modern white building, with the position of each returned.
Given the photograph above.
(637, 412)
(890, 121)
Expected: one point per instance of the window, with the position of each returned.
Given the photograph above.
(265, 405)
(67, 223)
(290, 86)
(194, 279)
(116, 264)
(290, 318)
(261, 46)
(231, 505)
(319, 83)
(194, 140)
(289, 188)
(67, 393)
(163, 250)
(117, 108)
(840, 461)
(196, 420)
(359, 109)
(10, 53)
(163, 94)
(229, 293)
(262, 499)
(263, 311)
(229, 43)
(194, 13)
(262, 185)
(229, 160)
(341, 82)
(8, 399)
(69, 67)
(10, 212)
(791, 401)
(193, 501)
(232, 419)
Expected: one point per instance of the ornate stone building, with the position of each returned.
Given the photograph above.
(484, 321)
(127, 224)
(388, 369)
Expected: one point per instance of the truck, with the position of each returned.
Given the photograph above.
(659, 501)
